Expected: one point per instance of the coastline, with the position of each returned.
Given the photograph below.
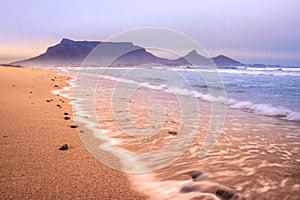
(256, 156)
(31, 132)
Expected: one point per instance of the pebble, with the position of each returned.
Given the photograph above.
(189, 188)
(63, 147)
(172, 132)
(195, 174)
(224, 194)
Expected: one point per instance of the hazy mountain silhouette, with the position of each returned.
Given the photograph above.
(73, 53)
(222, 60)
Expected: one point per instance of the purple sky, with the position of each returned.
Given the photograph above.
(256, 31)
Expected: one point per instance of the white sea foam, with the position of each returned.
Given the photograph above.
(180, 91)
(259, 109)
(265, 109)
(293, 116)
(275, 71)
(154, 86)
(296, 69)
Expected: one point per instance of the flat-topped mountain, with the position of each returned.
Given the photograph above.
(67, 52)
(73, 53)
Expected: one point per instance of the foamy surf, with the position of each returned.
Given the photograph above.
(234, 168)
(259, 109)
(264, 109)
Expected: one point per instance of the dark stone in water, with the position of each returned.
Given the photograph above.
(172, 132)
(67, 118)
(189, 188)
(195, 174)
(74, 126)
(224, 194)
(63, 147)
(293, 174)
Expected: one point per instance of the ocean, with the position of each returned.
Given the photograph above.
(193, 132)
(263, 91)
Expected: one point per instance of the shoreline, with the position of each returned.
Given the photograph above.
(31, 132)
(255, 158)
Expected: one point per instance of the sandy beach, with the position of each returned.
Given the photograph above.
(256, 157)
(31, 132)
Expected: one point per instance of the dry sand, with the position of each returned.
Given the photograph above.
(31, 132)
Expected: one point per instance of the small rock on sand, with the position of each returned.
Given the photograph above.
(66, 113)
(67, 118)
(63, 147)
(225, 194)
(195, 174)
(189, 188)
(74, 126)
(172, 132)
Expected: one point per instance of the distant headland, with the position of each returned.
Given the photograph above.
(72, 53)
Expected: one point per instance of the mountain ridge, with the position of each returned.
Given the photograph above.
(72, 53)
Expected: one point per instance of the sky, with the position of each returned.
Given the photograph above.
(250, 31)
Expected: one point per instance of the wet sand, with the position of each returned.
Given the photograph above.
(31, 131)
(256, 157)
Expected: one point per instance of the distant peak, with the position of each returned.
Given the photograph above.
(193, 52)
(221, 56)
(222, 60)
(66, 41)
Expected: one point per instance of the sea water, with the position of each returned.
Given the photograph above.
(265, 91)
(256, 155)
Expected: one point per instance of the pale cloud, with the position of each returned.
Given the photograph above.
(259, 26)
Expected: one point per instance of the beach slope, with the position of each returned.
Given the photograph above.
(31, 131)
